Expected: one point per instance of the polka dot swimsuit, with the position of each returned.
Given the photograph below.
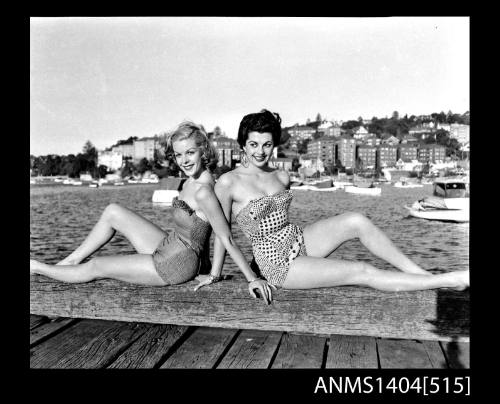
(275, 241)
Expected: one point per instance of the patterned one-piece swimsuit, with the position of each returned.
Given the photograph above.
(275, 241)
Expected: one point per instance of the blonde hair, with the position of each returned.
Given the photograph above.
(191, 130)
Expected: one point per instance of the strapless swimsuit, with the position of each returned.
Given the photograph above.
(178, 257)
(275, 241)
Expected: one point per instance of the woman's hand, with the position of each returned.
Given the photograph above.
(264, 289)
(205, 280)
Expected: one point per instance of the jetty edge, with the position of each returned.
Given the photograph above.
(438, 314)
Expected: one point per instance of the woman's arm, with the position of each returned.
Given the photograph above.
(211, 207)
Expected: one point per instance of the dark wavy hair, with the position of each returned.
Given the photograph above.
(263, 121)
(188, 130)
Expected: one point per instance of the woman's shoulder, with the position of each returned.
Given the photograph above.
(226, 179)
(283, 177)
(204, 191)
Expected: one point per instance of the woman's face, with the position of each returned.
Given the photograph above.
(259, 148)
(188, 157)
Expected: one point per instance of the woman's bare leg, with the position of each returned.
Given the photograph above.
(138, 269)
(324, 236)
(310, 272)
(142, 234)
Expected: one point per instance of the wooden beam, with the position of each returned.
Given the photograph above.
(426, 315)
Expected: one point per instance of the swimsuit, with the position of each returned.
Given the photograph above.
(178, 257)
(275, 241)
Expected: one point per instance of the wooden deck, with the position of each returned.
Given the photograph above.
(96, 344)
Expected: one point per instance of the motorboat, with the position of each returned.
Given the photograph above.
(355, 189)
(449, 202)
(308, 187)
(164, 196)
(406, 184)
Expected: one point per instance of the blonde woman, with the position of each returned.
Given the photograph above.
(162, 259)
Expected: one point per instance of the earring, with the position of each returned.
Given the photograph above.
(244, 159)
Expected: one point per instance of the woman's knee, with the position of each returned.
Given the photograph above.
(357, 221)
(113, 211)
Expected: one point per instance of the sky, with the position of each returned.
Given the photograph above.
(109, 78)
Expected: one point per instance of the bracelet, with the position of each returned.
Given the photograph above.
(214, 278)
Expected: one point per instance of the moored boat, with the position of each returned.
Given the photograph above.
(449, 202)
(354, 189)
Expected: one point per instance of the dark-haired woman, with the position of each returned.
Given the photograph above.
(294, 258)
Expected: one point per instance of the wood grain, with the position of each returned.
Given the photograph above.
(300, 352)
(102, 349)
(253, 349)
(48, 353)
(340, 310)
(201, 350)
(351, 352)
(47, 329)
(405, 354)
(150, 348)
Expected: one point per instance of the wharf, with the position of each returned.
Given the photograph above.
(107, 324)
(98, 344)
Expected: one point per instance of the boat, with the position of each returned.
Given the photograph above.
(354, 189)
(164, 196)
(309, 187)
(314, 185)
(449, 202)
(404, 183)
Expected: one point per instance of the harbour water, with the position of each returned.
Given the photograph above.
(61, 217)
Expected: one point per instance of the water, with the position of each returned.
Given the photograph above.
(60, 218)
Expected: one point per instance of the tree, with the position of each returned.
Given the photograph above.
(102, 170)
(285, 136)
(308, 121)
(295, 164)
(318, 117)
(143, 166)
(217, 132)
(302, 146)
(350, 125)
(395, 115)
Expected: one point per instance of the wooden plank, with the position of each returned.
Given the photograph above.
(35, 321)
(253, 349)
(403, 354)
(340, 310)
(435, 353)
(104, 348)
(202, 350)
(48, 329)
(151, 347)
(300, 352)
(352, 352)
(49, 352)
(457, 354)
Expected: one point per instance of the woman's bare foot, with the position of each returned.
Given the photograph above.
(68, 261)
(35, 266)
(463, 279)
